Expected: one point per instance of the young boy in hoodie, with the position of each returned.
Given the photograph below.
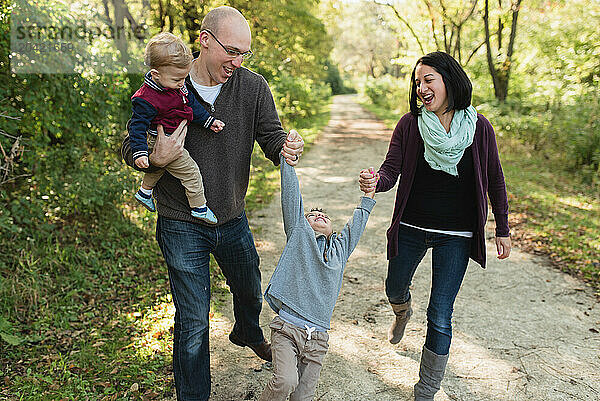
(304, 288)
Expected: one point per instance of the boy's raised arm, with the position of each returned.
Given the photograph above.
(291, 199)
(348, 238)
(350, 234)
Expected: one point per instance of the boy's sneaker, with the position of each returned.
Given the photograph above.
(146, 200)
(205, 214)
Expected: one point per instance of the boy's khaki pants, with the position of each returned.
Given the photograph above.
(297, 362)
(185, 170)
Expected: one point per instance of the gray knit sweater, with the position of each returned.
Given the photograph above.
(308, 277)
(246, 105)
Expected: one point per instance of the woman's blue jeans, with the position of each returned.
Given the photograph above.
(186, 248)
(450, 256)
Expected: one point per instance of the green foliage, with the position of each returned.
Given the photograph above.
(553, 98)
(551, 212)
(554, 71)
(298, 99)
(568, 136)
(71, 125)
(70, 170)
(366, 38)
(387, 92)
(584, 144)
(68, 175)
(291, 51)
(335, 81)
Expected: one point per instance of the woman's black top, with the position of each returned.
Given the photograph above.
(441, 201)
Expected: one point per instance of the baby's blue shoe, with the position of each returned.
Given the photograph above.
(205, 214)
(146, 200)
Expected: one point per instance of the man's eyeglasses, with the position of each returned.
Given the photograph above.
(233, 53)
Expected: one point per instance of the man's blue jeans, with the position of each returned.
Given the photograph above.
(450, 257)
(186, 248)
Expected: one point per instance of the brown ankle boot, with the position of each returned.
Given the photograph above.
(403, 313)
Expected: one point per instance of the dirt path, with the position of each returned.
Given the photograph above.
(522, 331)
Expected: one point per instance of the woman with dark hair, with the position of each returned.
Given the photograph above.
(446, 156)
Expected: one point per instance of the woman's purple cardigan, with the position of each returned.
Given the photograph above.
(401, 160)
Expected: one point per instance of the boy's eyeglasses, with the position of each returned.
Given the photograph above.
(232, 52)
(312, 214)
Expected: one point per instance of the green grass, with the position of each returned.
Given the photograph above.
(552, 212)
(86, 312)
(82, 306)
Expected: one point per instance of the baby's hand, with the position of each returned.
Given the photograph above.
(217, 126)
(142, 162)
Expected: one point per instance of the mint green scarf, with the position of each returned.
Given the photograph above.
(443, 150)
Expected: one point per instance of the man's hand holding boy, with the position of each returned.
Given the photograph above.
(168, 148)
(293, 148)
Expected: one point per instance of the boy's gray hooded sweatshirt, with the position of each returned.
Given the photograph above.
(308, 277)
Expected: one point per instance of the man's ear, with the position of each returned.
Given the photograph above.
(203, 39)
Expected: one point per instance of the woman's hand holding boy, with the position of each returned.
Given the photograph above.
(367, 179)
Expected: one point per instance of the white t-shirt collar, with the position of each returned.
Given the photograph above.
(208, 93)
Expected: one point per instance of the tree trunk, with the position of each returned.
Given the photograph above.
(501, 85)
(501, 73)
(161, 15)
(372, 66)
(120, 35)
(451, 27)
(192, 16)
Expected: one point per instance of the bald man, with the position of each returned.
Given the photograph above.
(243, 100)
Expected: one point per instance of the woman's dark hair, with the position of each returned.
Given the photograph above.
(458, 85)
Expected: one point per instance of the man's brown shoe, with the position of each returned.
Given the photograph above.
(262, 350)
